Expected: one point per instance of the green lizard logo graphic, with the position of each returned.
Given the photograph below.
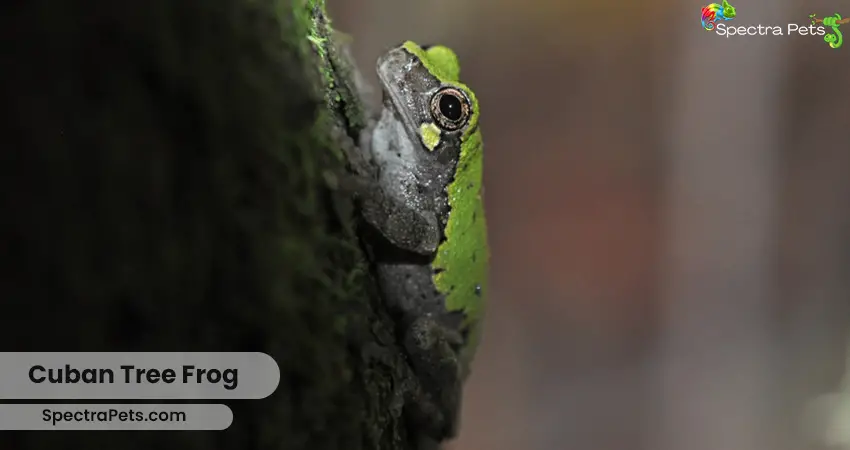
(834, 39)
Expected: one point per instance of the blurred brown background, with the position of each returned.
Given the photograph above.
(669, 218)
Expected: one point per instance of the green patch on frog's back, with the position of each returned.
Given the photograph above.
(462, 259)
(461, 263)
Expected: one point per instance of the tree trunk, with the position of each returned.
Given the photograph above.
(169, 183)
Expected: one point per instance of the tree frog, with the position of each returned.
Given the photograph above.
(426, 213)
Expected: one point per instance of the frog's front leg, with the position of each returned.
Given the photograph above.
(403, 226)
(387, 202)
(433, 351)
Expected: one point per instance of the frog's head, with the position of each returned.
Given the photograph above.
(436, 111)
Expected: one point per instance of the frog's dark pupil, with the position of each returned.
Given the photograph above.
(450, 107)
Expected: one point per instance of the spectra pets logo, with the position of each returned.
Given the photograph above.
(714, 13)
(714, 17)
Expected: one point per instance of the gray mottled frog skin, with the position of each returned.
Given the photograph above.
(407, 210)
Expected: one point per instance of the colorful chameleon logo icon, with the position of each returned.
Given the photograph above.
(714, 12)
(834, 39)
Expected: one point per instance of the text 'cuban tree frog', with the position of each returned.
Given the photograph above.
(430, 251)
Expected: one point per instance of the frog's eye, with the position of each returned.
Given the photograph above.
(450, 108)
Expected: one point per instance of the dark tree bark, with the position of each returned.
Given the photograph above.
(170, 183)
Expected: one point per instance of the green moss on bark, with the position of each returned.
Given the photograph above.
(169, 183)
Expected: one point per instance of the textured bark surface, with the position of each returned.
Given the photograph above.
(169, 183)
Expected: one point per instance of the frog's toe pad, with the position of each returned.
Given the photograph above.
(426, 333)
